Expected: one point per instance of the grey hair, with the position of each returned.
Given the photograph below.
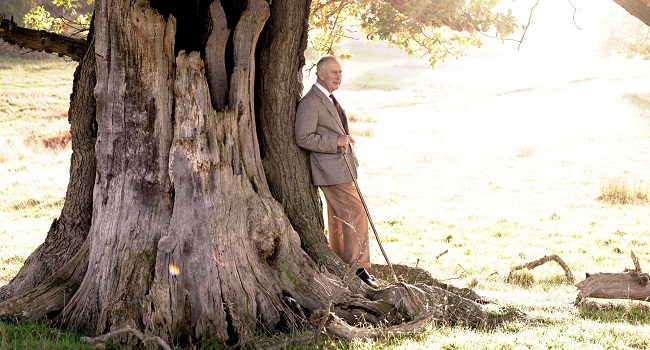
(321, 62)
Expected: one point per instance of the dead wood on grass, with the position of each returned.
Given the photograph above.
(631, 284)
(535, 263)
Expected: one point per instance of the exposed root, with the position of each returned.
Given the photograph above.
(336, 327)
(346, 281)
(100, 341)
(416, 275)
(51, 296)
(408, 309)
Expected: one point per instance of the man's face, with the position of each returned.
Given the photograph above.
(330, 76)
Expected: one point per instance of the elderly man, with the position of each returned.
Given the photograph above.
(322, 128)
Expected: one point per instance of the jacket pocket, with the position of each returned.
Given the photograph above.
(328, 161)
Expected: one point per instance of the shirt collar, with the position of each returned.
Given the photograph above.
(324, 90)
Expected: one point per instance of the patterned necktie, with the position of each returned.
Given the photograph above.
(344, 119)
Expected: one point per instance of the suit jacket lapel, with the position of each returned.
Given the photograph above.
(330, 107)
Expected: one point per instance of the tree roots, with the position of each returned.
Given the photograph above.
(100, 341)
(408, 308)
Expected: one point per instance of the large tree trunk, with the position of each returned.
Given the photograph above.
(180, 187)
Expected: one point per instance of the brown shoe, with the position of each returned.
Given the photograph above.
(367, 278)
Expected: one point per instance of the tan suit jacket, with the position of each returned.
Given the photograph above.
(318, 125)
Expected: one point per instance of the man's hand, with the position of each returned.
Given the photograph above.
(344, 141)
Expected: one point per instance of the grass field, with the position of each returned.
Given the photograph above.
(498, 159)
(34, 99)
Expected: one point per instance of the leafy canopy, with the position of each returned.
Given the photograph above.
(435, 29)
(62, 20)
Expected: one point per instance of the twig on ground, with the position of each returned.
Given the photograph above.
(441, 254)
(461, 266)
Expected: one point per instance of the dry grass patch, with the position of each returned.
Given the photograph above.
(618, 190)
(521, 278)
(54, 140)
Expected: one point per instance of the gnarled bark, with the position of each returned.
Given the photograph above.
(180, 188)
(51, 295)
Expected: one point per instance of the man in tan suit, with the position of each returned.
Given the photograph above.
(321, 128)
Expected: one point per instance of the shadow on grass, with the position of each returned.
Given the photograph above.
(628, 311)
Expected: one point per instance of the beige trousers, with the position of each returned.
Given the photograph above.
(347, 224)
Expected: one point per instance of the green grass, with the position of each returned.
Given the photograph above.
(373, 80)
(631, 312)
(38, 336)
(449, 163)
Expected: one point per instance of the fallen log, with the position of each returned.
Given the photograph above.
(631, 284)
(624, 285)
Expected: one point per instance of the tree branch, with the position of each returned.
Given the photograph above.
(533, 264)
(40, 40)
(530, 19)
(637, 8)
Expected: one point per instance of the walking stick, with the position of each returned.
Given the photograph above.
(374, 230)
